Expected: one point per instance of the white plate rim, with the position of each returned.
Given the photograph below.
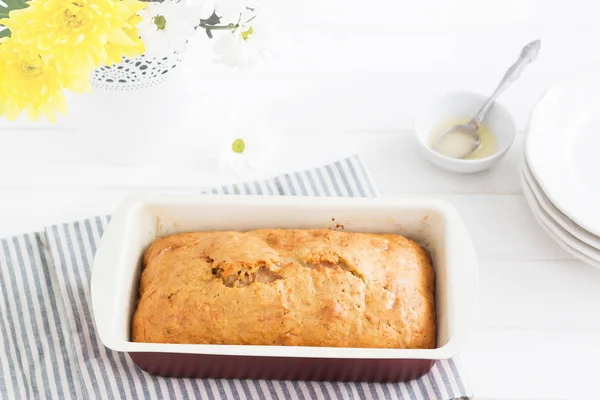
(546, 224)
(577, 207)
(555, 214)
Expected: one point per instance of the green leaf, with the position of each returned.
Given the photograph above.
(214, 19)
(4, 32)
(6, 6)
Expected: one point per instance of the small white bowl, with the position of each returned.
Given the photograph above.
(464, 105)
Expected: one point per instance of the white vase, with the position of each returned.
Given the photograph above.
(133, 110)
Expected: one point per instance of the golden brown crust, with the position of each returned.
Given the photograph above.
(287, 287)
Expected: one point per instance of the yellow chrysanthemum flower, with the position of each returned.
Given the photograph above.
(76, 32)
(29, 82)
(115, 53)
(2, 105)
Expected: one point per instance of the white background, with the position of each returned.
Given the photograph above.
(347, 78)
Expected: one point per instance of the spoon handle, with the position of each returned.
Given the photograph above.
(528, 55)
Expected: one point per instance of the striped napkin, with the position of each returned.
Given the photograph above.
(49, 347)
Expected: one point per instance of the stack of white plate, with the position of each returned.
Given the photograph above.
(561, 172)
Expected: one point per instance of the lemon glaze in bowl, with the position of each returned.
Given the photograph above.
(463, 105)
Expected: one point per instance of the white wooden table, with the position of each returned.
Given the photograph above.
(347, 83)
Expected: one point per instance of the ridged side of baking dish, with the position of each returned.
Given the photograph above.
(280, 368)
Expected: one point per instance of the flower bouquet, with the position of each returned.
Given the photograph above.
(50, 46)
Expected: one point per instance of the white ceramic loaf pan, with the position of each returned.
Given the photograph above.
(142, 218)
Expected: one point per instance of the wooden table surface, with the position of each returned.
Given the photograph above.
(348, 78)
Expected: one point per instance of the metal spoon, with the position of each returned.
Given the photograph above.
(528, 55)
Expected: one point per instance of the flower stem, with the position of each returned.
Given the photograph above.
(230, 27)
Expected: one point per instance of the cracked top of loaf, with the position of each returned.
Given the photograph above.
(287, 287)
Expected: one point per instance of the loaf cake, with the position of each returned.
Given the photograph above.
(287, 287)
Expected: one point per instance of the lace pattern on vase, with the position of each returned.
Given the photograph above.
(135, 73)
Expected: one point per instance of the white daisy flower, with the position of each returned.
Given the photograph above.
(242, 145)
(230, 11)
(249, 43)
(166, 27)
(201, 9)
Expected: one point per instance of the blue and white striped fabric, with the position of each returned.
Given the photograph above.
(49, 347)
